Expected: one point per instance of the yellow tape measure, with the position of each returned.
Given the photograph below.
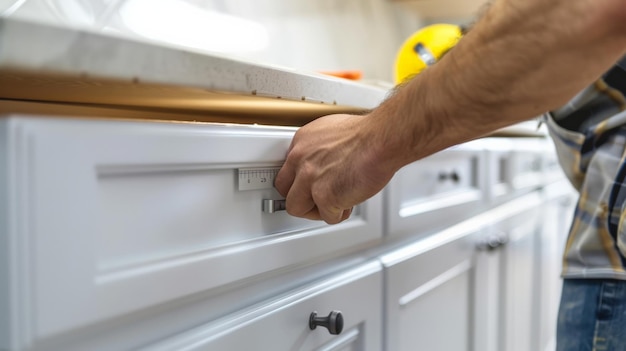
(424, 48)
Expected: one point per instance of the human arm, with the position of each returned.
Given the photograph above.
(524, 57)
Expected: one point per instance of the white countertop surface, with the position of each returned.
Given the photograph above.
(44, 49)
(44, 67)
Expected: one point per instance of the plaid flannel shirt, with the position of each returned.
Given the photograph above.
(590, 138)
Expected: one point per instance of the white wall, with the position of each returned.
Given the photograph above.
(303, 34)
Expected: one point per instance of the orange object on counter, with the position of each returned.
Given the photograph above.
(347, 74)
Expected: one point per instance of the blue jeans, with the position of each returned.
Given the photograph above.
(592, 315)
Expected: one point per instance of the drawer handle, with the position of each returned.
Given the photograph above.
(333, 322)
(271, 206)
(492, 243)
(454, 176)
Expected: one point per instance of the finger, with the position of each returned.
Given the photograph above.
(299, 200)
(331, 214)
(284, 179)
(314, 214)
(346, 214)
(326, 203)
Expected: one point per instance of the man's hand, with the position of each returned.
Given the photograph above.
(524, 57)
(332, 165)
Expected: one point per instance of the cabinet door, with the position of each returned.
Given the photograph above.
(520, 281)
(505, 276)
(283, 324)
(487, 297)
(557, 217)
(429, 289)
(112, 217)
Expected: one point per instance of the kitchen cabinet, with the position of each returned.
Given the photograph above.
(102, 241)
(519, 283)
(96, 223)
(558, 211)
(437, 191)
(284, 323)
(127, 219)
(519, 262)
(428, 293)
(470, 286)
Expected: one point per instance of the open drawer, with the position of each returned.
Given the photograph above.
(111, 217)
(437, 191)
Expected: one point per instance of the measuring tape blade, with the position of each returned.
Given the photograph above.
(256, 178)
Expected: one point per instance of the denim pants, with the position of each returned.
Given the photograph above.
(592, 315)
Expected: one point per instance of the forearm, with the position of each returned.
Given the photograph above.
(524, 57)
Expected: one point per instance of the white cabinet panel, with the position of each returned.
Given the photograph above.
(110, 217)
(283, 324)
(429, 288)
(520, 283)
(436, 191)
(556, 220)
(517, 166)
(487, 298)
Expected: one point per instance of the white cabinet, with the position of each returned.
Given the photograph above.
(429, 292)
(519, 281)
(437, 191)
(472, 286)
(557, 215)
(284, 323)
(127, 234)
(106, 218)
(516, 167)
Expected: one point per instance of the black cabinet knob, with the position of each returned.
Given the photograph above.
(333, 322)
(453, 176)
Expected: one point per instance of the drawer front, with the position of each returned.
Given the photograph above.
(428, 293)
(436, 191)
(283, 324)
(117, 216)
(525, 170)
(517, 166)
(499, 187)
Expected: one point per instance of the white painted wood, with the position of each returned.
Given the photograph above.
(560, 199)
(487, 301)
(282, 324)
(120, 216)
(6, 253)
(437, 191)
(520, 283)
(428, 295)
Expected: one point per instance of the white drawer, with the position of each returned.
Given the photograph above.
(283, 324)
(111, 217)
(436, 191)
(498, 185)
(518, 166)
(525, 171)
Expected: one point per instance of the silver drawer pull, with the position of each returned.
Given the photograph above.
(271, 206)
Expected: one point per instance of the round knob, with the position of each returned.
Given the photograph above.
(333, 322)
(493, 242)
